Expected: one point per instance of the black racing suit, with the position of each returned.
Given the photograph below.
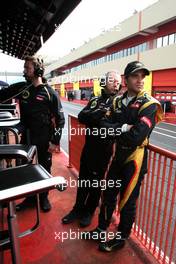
(130, 162)
(39, 106)
(95, 156)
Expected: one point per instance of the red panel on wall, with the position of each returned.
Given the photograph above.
(164, 78)
(57, 86)
(88, 83)
(164, 89)
(68, 85)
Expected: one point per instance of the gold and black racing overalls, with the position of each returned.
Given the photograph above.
(130, 162)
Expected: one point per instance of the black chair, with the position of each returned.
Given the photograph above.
(6, 115)
(19, 182)
(26, 153)
(8, 125)
(9, 107)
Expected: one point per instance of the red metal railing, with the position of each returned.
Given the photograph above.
(155, 224)
(76, 141)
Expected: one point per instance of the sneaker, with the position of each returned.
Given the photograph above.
(71, 217)
(45, 205)
(113, 244)
(95, 234)
(86, 220)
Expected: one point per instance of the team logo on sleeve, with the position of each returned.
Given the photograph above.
(40, 98)
(25, 94)
(119, 104)
(93, 104)
(147, 121)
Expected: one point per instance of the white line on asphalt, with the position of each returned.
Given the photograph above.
(163, 134)
(65, 153)
(165, 129)
(168, 123)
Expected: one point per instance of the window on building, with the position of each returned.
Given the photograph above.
(120, 53)
(125, 52)
(115, 55)
(165, 41)
(159, 42)
(136, 49)
(171, 39)
(140, 48)
(128, 51)
(145, 46)
(132, 50)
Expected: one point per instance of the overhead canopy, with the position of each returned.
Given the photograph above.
(24, 23)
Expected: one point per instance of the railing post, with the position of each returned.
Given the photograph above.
(69, 142)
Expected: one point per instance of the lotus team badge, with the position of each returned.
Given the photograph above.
(119, 104)
(25, 94)
(93, 104)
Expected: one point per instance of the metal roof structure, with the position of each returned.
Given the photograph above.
(26, 24)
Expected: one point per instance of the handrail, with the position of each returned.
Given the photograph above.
(154, 225)
(162, 151)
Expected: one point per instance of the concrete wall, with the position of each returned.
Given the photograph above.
(155, 59)
(158, 13)
(161, 58)
(161, 11)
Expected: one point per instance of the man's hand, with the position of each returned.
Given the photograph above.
(129, 127)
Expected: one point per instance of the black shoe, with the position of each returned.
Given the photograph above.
(45, 205)
(95, 234)
(71, 217)
(86, 220)
(26, 203)
(113, 244)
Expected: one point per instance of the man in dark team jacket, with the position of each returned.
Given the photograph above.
(96, 152)
(135, 113)
(41, 116)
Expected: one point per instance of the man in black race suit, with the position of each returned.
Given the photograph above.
(41, 116)
(96, 152)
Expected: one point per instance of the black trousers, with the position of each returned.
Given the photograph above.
(45, 159)
(124, 173)
(41, 141)
(89, 185)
